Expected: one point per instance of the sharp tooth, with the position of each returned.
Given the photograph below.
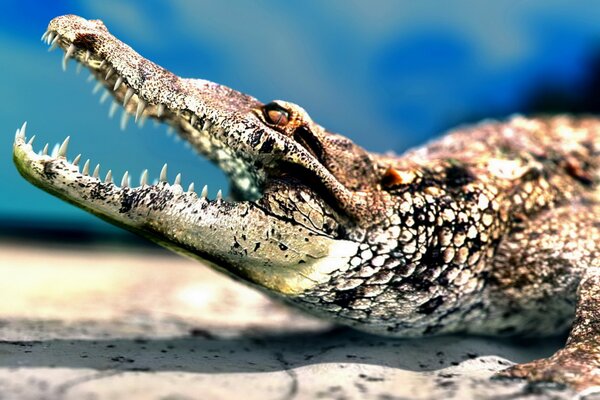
(23, 128)
(140, 109)
(90, 77)
(125, 180)
(50, 37)
(144, 178)
(54, 151)
(76, 159)
(19, 134)
(86, 168)
(142, 121)
(78, 68)
(127, 97)
(124, 120)
(45, 150)
(204, 192)
(97, 87)
(206, 124)
(177, 180)
(108, 74)
(108, 178)
(113, 109)
(68, 55)
(96, 172)
(62, 150)
(102, 64)
(104, 96)
(163, 174)
(219, 195)
(193, 120)
(191, 188)
(87, 56)
(117, 84)
(30, 142)
(54, 43)
(160, 110)
(44, 36)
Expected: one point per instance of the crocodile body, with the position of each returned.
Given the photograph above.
(492, 229)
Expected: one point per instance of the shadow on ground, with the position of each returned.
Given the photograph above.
(205, 352)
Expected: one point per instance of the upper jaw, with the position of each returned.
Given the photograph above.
(204, 113)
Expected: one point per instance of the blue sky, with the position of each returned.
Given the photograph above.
(388, 74)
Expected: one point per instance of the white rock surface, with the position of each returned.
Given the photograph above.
(115, 324)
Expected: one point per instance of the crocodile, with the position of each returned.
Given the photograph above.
(492, 229)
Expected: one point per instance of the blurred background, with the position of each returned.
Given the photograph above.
(388, 74)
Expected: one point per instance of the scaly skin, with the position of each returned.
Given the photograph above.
(492, 229)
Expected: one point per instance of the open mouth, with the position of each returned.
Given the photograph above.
(289, 184)
(140, 91)
(245, 138)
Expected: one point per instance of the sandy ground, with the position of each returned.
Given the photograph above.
(91, 323)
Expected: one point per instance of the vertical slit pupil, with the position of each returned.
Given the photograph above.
(276, 115)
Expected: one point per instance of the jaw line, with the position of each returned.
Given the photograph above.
(62, 178)
(221, 233)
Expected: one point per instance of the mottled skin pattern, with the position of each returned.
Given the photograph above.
(493, 229)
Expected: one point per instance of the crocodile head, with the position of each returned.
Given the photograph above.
(300, 195)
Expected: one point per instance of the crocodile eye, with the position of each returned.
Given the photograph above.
(276, 115)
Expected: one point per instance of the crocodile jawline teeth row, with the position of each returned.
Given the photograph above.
(60, 154)
(102, 71)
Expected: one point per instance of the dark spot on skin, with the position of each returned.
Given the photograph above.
(531, 175)
(431, 305)
(256, 246)
(48, 173)
(578, 172)
(256, 138)
(432, 257)
(85, 41)
(126, 203)
(343, 298)
(267, 146)
(283, 247)
(457, 176)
